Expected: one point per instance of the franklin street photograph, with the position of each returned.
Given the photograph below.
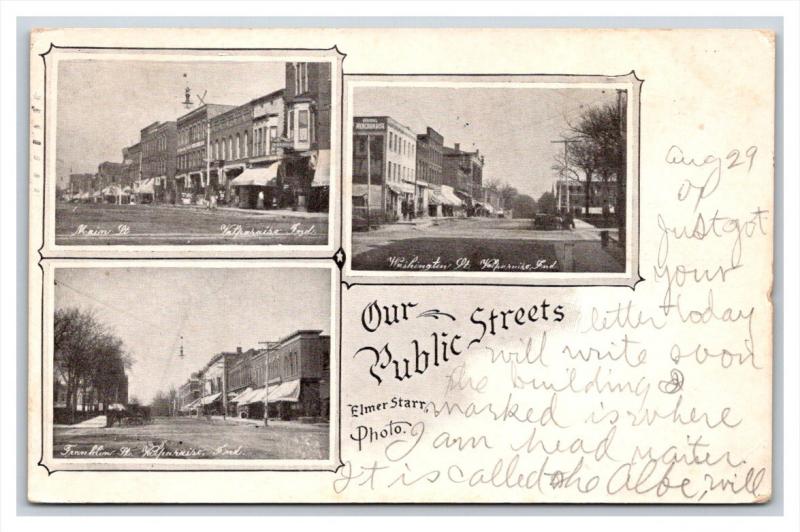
(192, 363)
(192, 152)
(462, 176)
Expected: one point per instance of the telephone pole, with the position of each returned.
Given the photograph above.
(566, 143)
(266, 384)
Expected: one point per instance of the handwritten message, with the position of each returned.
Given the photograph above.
(660, 394)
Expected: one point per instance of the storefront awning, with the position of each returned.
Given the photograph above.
(322, 170)
(450, 198)
(241, 395)
(190, 406)
(401, 188)
(208, 399)
(257, 395)
(287, 391)
(145, 186)
(257, 177)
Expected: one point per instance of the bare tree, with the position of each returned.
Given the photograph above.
(601, 148)
(87, 358)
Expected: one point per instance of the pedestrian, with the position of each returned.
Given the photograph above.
(213, 202)
(404, 209)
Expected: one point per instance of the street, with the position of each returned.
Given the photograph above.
(190, 437)
(108, 224)
(484, 244)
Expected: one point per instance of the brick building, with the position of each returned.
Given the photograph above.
(430, 155)
(298, 376)
(463, 171)
(306, 165)
(192, 158)
(231, 147)
(159, 154)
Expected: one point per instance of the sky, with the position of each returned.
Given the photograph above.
(103, 104)
(512, 127)
(215, 309)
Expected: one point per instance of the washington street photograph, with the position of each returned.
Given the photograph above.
(497, 177)
(192, 363)
(157, 152)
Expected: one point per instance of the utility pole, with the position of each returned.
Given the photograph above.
(369, 180)
(566, 143)
(266, 384)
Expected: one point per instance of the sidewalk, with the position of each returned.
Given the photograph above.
(272, 213)
(230, 420)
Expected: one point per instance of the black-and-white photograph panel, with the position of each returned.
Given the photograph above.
(170, 366)
(212, 148)
(524, 177)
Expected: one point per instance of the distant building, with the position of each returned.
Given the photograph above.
(463, 171)
(159, 154)
(188, 396)
(571, 196)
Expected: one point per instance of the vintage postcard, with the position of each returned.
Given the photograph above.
(486, 266)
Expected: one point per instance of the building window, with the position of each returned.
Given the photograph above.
(246, 154)
(238, 147)
(290, 124)
(273, 134)
(302, 125)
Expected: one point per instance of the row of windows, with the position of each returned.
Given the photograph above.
(232, 148)
(397, 172)
(194, 133)
(400, 145)
(287, 366)
(192, 159)
(428, 173)
(262, 140)
(155, 168)
(300, 78)
(155, 145)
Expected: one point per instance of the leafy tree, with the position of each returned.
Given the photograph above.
(547, 204)
(524, 206)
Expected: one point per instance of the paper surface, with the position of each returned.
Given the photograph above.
(408, 332)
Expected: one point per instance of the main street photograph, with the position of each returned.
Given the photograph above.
(502, 177)
(195, 152)
(201, 363)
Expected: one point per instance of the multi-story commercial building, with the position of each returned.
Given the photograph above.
(463, 171)
(159, 154)
(430, 155)
(295, 368)
(132, 159)
(258, 183)
(189, 394)
(387, 150)
(306, 166)
(197, 169)
(231, 145)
